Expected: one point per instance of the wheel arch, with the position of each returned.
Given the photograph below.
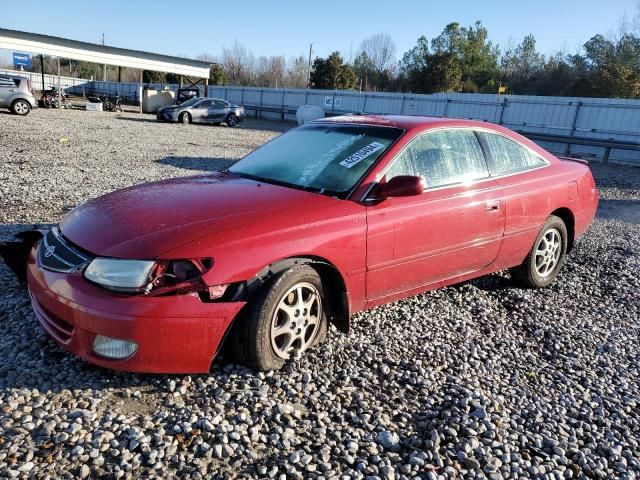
(335, 289)
(567, 216)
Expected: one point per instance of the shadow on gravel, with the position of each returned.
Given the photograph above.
(627, 211)
(494, 282)
(143, 120)
(207, 164)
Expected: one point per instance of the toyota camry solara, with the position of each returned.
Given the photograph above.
(331, 218)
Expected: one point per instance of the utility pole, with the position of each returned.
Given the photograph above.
(104, 67)
(42, 70)
(309, 67)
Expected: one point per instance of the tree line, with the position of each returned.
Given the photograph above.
(463, 59)
(459, 59)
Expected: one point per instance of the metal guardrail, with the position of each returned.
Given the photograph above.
(607, 144)
(281, 110)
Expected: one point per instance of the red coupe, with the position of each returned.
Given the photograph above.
(328, 219)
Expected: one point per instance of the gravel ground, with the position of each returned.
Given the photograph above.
(479, 380)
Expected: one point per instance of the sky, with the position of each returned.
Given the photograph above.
(278, 27)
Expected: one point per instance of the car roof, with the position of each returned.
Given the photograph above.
(406, 122)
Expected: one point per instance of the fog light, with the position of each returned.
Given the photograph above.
(113, 348)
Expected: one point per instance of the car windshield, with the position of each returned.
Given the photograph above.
(190, 102)
(329, 159)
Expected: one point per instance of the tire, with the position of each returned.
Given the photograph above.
(20, 107)
(256, 340)
(232, 120)
(185, 118)
(545, 260)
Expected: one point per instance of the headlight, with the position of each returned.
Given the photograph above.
(119, 274)
(162, 277)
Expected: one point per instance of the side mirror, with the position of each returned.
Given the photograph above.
(402, 186)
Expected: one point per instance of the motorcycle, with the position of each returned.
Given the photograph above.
(50, 98)
(107, 104)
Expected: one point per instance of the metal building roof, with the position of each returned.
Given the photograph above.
(91, 52)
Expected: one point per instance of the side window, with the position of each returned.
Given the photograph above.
(442, 158)
(205, 104)
(220, 104)
(507, 156)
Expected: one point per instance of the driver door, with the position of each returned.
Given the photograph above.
(454, 227)
(200, 111)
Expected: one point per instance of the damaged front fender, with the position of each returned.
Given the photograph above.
(15, 254)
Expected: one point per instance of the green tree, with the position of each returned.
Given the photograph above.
(609, 68)
(426, 72)
(149, 76)
(217, 75)
(477, 55)
(365, 71)
(89, 70)
(332, 73)
(521, 65)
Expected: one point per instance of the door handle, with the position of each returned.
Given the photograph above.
(492, 206)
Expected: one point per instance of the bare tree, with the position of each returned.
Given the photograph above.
(381, 50)
(270, 71)
(238, 63)
(297, 72)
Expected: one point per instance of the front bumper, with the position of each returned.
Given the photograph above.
(165, 116)
(175, 334)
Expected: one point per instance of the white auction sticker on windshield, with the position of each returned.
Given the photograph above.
(361, 154)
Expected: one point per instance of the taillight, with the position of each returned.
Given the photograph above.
(29, 86)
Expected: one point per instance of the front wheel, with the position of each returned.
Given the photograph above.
(185, 118)
(284, 320)
(232, 120)
(546, 258)
(20, 107)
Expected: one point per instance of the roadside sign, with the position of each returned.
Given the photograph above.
(331, 101)
(21, 60)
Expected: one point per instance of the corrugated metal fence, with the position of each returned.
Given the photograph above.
(603, 118)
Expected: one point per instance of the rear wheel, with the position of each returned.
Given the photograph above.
(185, 118)
(232, 120)
(546, 258)
(284, 320)
(20, 107)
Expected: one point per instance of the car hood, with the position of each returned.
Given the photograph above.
(146, 220)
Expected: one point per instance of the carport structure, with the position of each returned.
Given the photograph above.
(105, 55)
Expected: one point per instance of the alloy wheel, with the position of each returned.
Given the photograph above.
(548, 251)
(296, 320)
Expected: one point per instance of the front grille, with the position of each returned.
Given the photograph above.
(58, 255)
(54, 325)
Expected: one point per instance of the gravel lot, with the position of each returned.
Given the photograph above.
(480, 380)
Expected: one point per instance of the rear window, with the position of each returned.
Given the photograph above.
(506, 156)
(9, 82)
